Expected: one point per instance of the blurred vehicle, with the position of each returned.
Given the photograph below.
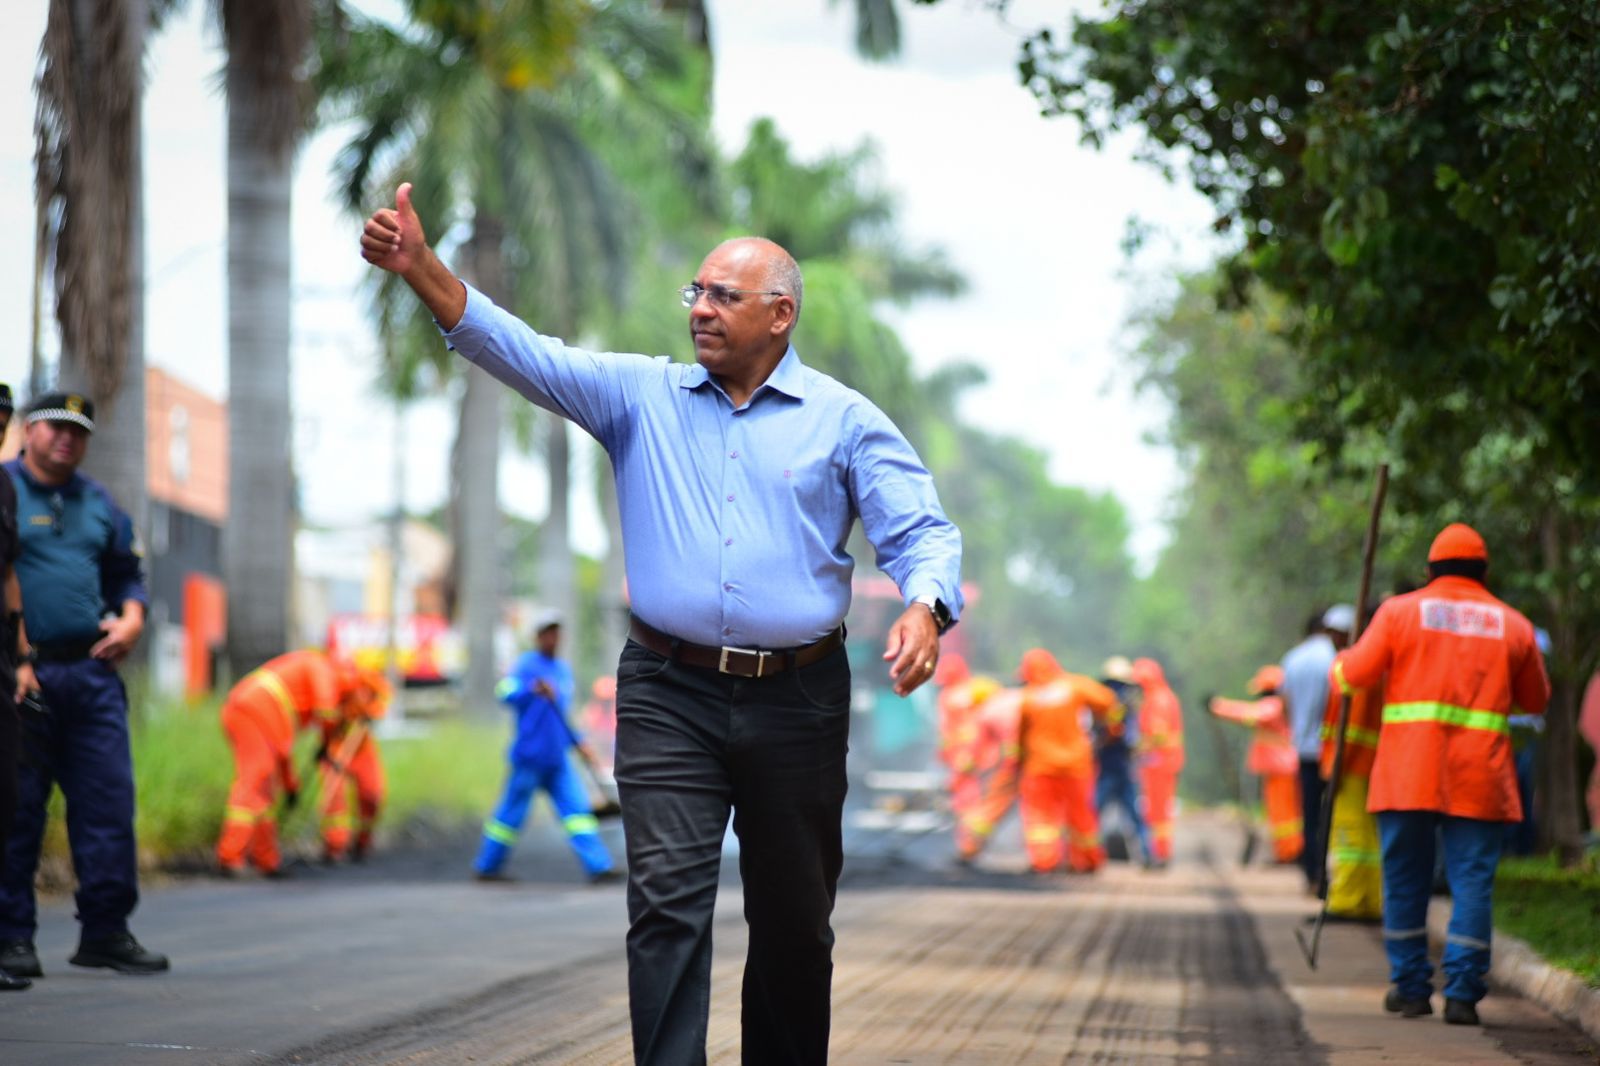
(429, 651)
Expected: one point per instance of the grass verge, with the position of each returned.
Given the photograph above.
(1556, 911)
(446, 775)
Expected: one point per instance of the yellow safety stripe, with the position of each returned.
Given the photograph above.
(1356, 857)
(1042, 835)
(1338, 679)
(278, 690)
(1446, 714)
(241, 815)
(499, 832)
(505, 687)
(580, 823)
(1353, 735)
(336, 821)
(1287, 829)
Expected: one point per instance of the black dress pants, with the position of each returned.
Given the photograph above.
(693, 745)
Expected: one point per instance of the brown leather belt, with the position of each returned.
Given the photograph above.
(741, 662)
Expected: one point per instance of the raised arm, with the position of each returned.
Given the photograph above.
(393, 240)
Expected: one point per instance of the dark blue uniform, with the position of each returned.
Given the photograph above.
(78, 561)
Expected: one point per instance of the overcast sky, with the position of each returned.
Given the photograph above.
(1034, 220)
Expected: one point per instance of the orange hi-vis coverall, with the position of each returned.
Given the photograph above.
(1161, 752)
(965, 747)
(1459, 663)
(999, 717)
(1355, 887)
(260, 717)
(351, 759)
(1272, 758)
(1057, 785)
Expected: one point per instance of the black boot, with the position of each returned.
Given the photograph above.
(19, 959)
(1395, 1003)
(119, 952)
(13, 984)
(1460, 1012)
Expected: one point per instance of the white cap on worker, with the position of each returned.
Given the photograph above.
(1340, 617)
(543, 620)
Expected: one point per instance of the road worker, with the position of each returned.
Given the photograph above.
(350, 759)
(1458, 662)
(998, 720)
(965, 748)
(539, 691)
(261, 716)
(1057, 786)
(600, 721)
(1116, 736)
(1160, 753)
(1355, 880)
(1271, 757)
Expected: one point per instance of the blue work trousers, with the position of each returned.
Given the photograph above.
(1313, 860)
(693, 744)
(1114, 784)
(1471, 852)
(83, 747)
(571, 801)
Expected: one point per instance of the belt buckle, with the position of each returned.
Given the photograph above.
(761, 660)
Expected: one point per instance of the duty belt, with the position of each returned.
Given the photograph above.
(740, 662)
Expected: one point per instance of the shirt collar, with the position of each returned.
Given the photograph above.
(788, 377)
(71, 485)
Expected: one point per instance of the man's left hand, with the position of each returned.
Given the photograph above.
(121, 634)
(913, 649)
(27, 681)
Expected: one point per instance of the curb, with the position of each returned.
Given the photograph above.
(1515, 965)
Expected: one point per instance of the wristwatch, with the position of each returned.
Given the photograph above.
(941, 614)
(29, 657)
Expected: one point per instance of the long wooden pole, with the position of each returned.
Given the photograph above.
(1368, 552)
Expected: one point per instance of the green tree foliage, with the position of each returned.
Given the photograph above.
(1417, 179)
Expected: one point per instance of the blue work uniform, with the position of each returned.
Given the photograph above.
(538, 758)
(1114, 782)
(79, 560)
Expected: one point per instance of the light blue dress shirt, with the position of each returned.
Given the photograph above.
(1305, 691)
(734, 520)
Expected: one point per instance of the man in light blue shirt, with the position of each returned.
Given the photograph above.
(1305, 696)
(739, 479)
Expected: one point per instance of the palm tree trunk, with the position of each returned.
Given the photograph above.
(90, 91)
(475, 484)
(556, 586)
(258, 541)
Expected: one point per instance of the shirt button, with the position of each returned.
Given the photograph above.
(733, 455)
(728, 541)
(727, 588)
(730, 497)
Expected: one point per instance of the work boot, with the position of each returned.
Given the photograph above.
(492, 877)
(13, 984)
(119, 952)
(605, 877)
(19, 959)
(1395, 1003)
(1460, 1012)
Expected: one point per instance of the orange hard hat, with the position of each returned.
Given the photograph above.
(1458, 541)
(1148, 672)
(1039, 666)
(952, 670)
(1267, 679)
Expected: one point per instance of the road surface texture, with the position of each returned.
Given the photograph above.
(406, 960)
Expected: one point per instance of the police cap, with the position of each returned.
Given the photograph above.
(62, 407)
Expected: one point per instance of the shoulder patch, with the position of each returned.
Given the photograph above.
(1464, 618)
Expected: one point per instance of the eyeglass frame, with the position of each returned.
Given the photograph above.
(718, 294)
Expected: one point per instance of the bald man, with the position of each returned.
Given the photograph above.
(739, 478)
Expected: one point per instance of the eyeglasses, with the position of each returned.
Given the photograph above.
(720, 295)
(58, 508)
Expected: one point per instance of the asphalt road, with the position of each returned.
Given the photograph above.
(406, 960)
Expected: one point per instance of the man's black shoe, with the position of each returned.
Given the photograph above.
(605, 877)
(119, 952)
(1395, 1003)
(13, 984)
(19, 959)
(492, 877)
(1460, 1012)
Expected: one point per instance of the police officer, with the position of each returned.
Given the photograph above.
(83, 604)
(16, 680)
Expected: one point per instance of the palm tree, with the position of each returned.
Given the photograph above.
(267, 44)
(87, 135)
(495, 111)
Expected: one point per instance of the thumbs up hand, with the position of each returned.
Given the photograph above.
(392, 238)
